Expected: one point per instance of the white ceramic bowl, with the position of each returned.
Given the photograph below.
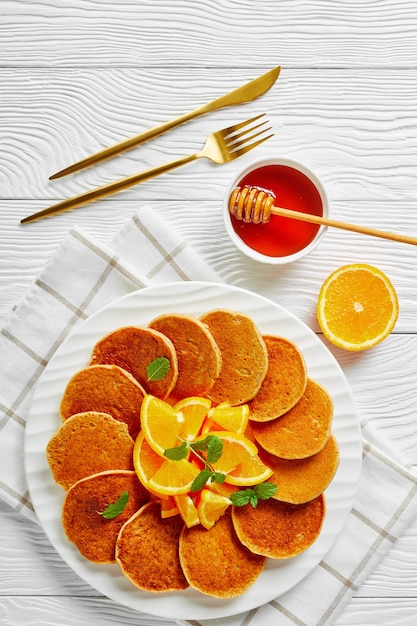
(260, 256)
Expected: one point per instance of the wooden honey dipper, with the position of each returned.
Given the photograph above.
(252, 204)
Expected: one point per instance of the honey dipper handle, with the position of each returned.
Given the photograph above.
(315, 219)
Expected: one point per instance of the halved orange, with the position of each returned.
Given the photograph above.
(193, 410)
(233, 418)
(210, 507)
(236, 450)
(250, 472)
(173, 477)
(160, 423)
(187, 510)
(357, 307)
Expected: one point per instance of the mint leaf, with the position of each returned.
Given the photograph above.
(200, 480)
(214, 449)
(114, 509)
(218, 477)
(200, 444)
(264, 491)
(241, 497)
(211, 444)
(177, 453)
(158, 368)
(253, 500)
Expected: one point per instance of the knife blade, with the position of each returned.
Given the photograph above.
(250, 91)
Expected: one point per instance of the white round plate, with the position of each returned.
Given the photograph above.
(139, 308)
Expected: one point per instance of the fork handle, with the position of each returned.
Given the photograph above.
(110, 188)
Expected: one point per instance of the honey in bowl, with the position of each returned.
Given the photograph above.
(282, 239)
(292, 189)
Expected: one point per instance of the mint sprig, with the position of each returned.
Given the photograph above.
(263, 491)
(115, 508)
(212, 446)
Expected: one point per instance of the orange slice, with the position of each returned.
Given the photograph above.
(233, 418)
(357, 307)
(187, 510)
(173, 477)
(210, 507)
(145, 460)
(250, 472)
(236, 450)
(193, 410)
(160, 423)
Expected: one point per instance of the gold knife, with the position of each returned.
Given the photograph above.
(246, 93)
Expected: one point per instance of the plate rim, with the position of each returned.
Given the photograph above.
(207, 608)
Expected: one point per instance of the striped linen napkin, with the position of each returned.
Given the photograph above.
(82, 277)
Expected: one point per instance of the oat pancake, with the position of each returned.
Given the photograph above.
(133, 348)
(80, 447)
(244, 356)
(147, 550)
(199, 358)
(284, 383)
(105, 389)
(277, 529)
(215, 562)
(301, 480)
(303, 430)
(94, 536)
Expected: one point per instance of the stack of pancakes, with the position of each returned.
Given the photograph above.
(222, 356)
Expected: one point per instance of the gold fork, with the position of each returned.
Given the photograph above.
(220, 147)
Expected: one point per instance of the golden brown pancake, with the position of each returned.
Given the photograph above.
(199, 358)
(133, 349)
(303, 430)
(215, 562)
(87, 443)
(105, 389)
(147, 550)
(94, 536)
(301, 480)
(284, 383)
(244, 356)
(277, 529)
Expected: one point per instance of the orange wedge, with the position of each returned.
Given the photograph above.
(210, 507)
(173, 478)
(187, 510)
(236, 450)
(169, 507)
(357, 307)
(250, 472)
(209, 425)
(193, 410)
(160, 423)
(223, 489)
(233, 418)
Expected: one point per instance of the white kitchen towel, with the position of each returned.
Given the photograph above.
(81, 277)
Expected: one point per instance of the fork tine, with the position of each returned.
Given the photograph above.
(239, 140)
(233, 129)
(248, 147)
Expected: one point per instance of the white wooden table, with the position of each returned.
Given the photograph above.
(79, 75)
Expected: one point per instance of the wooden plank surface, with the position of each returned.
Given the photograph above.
(78, 75)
